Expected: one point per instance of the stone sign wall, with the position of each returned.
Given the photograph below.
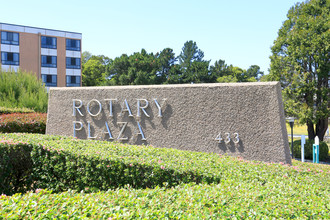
(240, 119)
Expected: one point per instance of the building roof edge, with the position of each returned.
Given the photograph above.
(41, 28)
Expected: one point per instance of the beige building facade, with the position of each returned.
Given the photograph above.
(53, 55)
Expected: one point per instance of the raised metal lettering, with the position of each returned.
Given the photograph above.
(227, 140)
(127, 109)
(88, 107)
(141, 132)
(122, 131)
(159, 107)
(236, 140)
(75, 127)
(110, 105)
(139, 107)
(74, 107)
(218, 138)
(108, 131)
(89, 131)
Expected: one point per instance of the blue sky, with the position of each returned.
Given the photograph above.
(240, 32)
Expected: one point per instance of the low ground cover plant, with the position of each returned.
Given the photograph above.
(62, 163)
(23, 122)
(300, 191)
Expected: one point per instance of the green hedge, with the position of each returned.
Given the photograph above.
(323, 147)
(62, 163)
(23, 122)
(15, 167)
(293, 194)
(5, 110)
(218, 186)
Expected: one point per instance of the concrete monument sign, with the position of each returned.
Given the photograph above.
(240, 119)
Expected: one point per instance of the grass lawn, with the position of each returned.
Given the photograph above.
(297, 129)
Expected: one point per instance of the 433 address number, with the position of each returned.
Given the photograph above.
(228, 138)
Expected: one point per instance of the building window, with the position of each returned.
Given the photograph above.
(9, 38)
(49, 80)
(8, 58)
(49, 61)
(72, 63)
(72, 81)
(48, 42)
(73, 44)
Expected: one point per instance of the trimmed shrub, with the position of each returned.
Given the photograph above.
(22, 90)
(246, 190)
(23, 122)
(5, 110)
(324, 150)
(15, 167)
(62, 163)
(227, 200)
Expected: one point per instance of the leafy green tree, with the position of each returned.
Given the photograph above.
(145, 68)
(198, 72)
(253, 74)
(189, 54)
(194, 68)
(94, 69)
(137, 69)
(166, 60)
(229, 73)
(175, 75)
(219, 69)
(165, 68)
(93, 72)
(300, 61)
(118, 71)
(227, 79)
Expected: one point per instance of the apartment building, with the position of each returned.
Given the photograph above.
(53, 55)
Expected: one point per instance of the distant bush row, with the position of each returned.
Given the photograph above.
(23, 122)
(22, 90)
(323, 150)
(5, 110)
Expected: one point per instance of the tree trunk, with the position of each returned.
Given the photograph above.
(310, 129)
(321, 128)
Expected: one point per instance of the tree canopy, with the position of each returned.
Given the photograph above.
(300, 61)
(94, 69)
(163, 67)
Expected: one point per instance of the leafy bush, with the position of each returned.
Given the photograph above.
(324, 150)
(227, 188)
(5, 110)
(22, 90)
(15, 167)
(62, 163)
(23, 122)
(300, 191)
